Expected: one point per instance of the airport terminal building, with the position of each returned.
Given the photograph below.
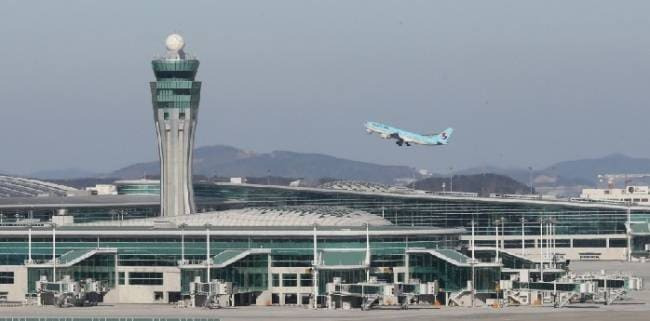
(268, 254)
(283, 245)
(270, 241)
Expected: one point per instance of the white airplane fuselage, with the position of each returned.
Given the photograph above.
(405, 137)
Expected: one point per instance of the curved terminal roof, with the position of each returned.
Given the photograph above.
(359, 186)
(415, 195)
(137, 182)
(12, 186)
(266, 216)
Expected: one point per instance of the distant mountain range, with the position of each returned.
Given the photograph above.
(575, 172)
(587, 170)
(227, 161)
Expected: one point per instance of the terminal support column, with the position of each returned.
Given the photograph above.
(269, 275)
(207, 252)
(367, 253)
(407, 275)
(315, 270)
(541, 250)
(53, 252)
(29, 244)
(496, 238)
(629, 234)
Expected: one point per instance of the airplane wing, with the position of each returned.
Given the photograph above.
(399, 139)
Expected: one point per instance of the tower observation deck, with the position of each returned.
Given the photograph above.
(175, 97)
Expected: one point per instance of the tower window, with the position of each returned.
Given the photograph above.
(182, 92)
(166, 115)
(181, 116)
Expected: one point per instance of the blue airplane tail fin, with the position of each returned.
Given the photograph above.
(445, 134)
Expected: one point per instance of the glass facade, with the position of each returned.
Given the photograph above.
(82, 214)
(248, 274)
(405, 211)
(440, 212)
(387, 252)
(138, 189)
(166, 250)
(452, 278)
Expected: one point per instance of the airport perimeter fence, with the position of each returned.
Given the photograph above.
(103, 319)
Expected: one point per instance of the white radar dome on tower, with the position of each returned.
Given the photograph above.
(174, 42)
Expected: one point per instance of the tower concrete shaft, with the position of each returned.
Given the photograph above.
(175, 97)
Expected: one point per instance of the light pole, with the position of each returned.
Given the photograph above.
(29, 244)
(413, 179)
(472, 241)
(629, 234)
(473, 267)
(496, 239)
(207, 251)
(541, 249)
(53, 252)
(523, 237)
(451, 178)
(551, 238)
(548, 241)
(503, 233)
(183, 242)
(530, 178)
(315, 270)
(122, 216)
(368, 252)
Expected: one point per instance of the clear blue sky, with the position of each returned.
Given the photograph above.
(522, 82)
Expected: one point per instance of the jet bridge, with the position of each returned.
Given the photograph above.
(215, 294)
(67, 292)
(600, 289)
(367, 295)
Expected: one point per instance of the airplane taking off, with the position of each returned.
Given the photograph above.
(408, 138)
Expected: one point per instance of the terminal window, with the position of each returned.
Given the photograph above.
(305, 279)
(6, 277)
(182, 91)
(289, 279)
(617, 243)
(589, 243)
(145, 278)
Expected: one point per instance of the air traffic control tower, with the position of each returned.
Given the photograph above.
(175, 97)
